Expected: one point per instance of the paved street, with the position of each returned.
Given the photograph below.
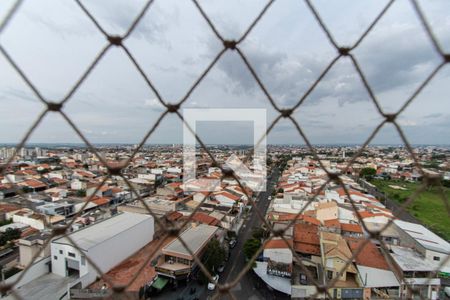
(250, 286)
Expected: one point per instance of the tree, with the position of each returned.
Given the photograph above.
(251, 246)
(81, 193)
(6, 222)
(259, 233)
(214, 256)
(367, 172)
(8, 235)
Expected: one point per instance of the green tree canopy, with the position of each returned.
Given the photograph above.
(214, 256)
(367, 172)
(251, 246)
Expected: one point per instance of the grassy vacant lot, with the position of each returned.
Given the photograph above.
(428, 207)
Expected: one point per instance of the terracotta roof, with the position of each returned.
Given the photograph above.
(310, 213)
(351, 228)
(306, 239)
(307, 248)
(166, 175)
(306, 233)
(104, 188)
(332, 223)
(33, 183)
(116, 189)
(26, 172)
(58, 180)
(173, 216)
(277, 244)
(101, 200)
(205, 219)
(85, 174)
(367, 214)
(369, 256)
(311, 220)
(4, 208)
(28, 231)
(282, 217)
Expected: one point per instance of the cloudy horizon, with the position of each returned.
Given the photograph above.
(54, 43)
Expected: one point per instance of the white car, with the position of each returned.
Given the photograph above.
(212, 285)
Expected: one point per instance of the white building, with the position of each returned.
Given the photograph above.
(78, 185)
(427, 243)
(107, 243)
(150, 177)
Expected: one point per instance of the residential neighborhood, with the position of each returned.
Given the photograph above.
(160, 234)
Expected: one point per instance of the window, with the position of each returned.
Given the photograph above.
(183, 261)
(55, 257)
(83, 260)
(60, 252)
(330, 274)
(437, 258)
(71, 254)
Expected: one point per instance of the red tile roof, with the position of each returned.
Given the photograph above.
(33, 183)
(311, 220)
(306, 239)
(59, 180)
(116, 190)
(351, 228)
(277, 244)
(369, 256)
(332, 223)
(4, 208)
(28, 231)
(368, 214)
(205, 219)
(101, 200)
(283, 217)
(173, 216)
(175, 184)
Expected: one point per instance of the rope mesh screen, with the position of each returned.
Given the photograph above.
(234, 45)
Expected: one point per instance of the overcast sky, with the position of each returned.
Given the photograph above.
(53, 42)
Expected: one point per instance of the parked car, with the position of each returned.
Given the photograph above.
(212, 285)
(233, 243)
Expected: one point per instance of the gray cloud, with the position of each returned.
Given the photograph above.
(174, 45)
(10, 93)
